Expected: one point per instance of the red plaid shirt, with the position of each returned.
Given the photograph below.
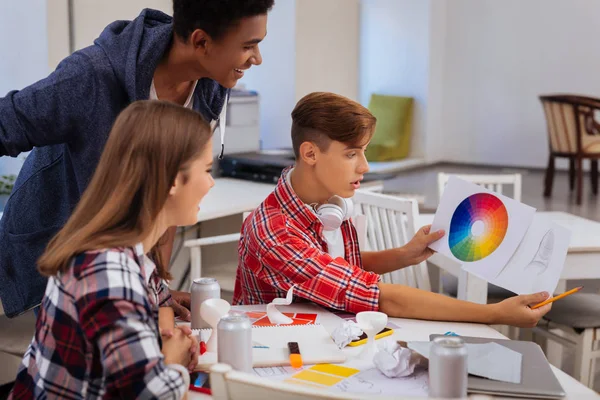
(97, 333)
(282, 245)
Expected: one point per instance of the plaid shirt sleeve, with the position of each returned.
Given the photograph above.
(164, 294)
(319, 278)
(115, 313)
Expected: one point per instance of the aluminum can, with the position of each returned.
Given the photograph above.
(234, 341)
(448, 368)
(202, 289)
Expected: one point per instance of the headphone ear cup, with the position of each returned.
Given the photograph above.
(345, 204)
(331, 216)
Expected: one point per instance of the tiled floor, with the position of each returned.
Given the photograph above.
(423, 181)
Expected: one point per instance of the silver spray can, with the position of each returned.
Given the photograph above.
(202, 289)
(234, 341)
(448, 368)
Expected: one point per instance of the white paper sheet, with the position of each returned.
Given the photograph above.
(482, 224)
(488, 360)
(368, 381)
(372, 381)
(494, 361)
(539, 260)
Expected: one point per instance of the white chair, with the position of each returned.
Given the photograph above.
(574, 322)
(195, 246)
(227, 384)
(494, 183)
(391, 222)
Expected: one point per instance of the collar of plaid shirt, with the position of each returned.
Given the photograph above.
(292, 205)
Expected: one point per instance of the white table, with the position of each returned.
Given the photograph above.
(232, 196)
(411, 329)
(235, 196)
(582, 262)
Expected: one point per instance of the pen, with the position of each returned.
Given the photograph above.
(560, 296)
(295, 357)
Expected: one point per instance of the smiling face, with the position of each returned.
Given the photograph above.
(191, 185)
(226, 59)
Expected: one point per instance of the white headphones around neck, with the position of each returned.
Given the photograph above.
(334, 212)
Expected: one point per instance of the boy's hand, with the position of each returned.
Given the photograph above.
(516, 310)
(417, 249)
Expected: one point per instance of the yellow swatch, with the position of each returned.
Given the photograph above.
(336, 370)
(316, 377)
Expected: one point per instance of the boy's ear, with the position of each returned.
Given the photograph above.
(308, 153)
(200, 40)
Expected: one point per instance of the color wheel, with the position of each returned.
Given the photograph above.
(477, 227)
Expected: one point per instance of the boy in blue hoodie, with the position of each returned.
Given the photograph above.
(192, 59)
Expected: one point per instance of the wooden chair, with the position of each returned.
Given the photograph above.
(227, 384)
(391, 222)
(574, 132)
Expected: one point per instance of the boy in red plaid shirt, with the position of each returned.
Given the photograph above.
(290, 241)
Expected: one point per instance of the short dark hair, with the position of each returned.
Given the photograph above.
(321, 117)
(214, 17)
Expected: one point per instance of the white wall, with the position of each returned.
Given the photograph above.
(57, 19)
(24, 51)
(327, 51)
(394, 56)
(311, 45)
(499, 57)
(274, 79)
(92, 16)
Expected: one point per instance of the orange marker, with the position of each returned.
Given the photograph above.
(295, 357)
(560, 296)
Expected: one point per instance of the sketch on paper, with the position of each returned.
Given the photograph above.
(538, 261)
(371, 381)
(541, 260)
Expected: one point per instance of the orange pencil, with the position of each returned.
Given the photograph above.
(560, 296)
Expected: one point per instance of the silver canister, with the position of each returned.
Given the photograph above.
(448, 368)
(202, 289)
(234, 341)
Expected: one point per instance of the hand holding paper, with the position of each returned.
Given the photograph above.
(499, 239)
(417, 250)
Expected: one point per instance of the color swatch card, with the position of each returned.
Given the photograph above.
(483, 228)
(259, 318)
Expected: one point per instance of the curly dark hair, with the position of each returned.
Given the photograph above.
(214, 17)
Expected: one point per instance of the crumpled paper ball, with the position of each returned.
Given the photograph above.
(395, 361)
(345, 333)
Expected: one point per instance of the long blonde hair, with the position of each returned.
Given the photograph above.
(149, 144)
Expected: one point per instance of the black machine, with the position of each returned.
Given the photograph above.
(266, 166)
(256, 166)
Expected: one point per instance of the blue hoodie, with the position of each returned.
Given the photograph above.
(66, 118)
